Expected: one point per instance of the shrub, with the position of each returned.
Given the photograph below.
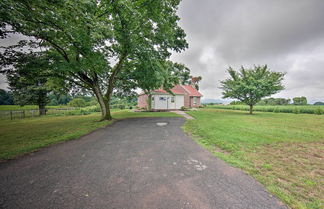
(296, 110)
(276, 109)
(77, 102)
(318, 111)
(183, 108)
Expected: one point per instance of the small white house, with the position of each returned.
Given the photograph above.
(184, 96)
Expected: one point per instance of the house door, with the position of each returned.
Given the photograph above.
(162, 103)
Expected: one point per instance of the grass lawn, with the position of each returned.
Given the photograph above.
(27, 107)
(285, 152)
(18, 137)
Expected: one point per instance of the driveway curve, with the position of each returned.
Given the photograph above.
(133, 163)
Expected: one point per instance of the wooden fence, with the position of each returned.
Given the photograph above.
(21, 114)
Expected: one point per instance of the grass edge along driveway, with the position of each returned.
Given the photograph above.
(284, 152)
(18, 137)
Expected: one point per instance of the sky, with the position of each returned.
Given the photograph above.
(287, 35)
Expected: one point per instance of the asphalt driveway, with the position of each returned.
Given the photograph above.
(133, 163)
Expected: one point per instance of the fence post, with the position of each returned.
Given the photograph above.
(23, 113)
(11, 114)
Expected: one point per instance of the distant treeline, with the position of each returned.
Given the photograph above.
(281, 101)
(78, 100)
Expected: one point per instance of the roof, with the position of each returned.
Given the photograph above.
(191, 91)
(165, 92)
(187, 89)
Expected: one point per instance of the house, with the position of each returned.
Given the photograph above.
(184, 95)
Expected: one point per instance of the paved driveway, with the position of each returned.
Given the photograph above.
(133, 163)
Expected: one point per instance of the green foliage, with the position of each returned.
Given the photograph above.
(101, 46)
(5, 97)
(274, 101)
(319, 103)
(236, 103)
(251, 85)
(307, 109)
(183, 108)
(318, 111)
(296, 110)
(28, 79)
(77, 102)
(300, 101)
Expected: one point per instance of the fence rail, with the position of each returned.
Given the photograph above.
(29, 113)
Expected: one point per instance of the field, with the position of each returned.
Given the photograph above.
(18, 137)
(285, 152)
(26, 107)
(308, 109)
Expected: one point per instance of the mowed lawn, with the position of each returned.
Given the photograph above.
(18, 137)
(285, 152)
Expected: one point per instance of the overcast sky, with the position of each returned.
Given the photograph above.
(286, 35)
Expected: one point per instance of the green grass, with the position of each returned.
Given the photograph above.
(284, 152)
(18, 137)
(26, 107)
(309, 109)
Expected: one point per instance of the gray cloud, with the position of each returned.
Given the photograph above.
(286, 35)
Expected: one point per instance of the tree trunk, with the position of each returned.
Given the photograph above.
(42, 110)
(104, 104)
(251, 109)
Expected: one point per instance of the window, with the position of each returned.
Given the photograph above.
(194, 100)
(162, 98)
(172, 99)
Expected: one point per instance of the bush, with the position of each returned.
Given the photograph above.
(276, 109)
(318, 111)
(77, 102)
(296, 110)
(183, 108)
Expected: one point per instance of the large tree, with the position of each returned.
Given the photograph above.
(101, 45)
(251, 85)
(28, 80)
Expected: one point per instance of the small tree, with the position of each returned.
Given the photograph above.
(251, 85)
(6, 97)
(300, 101)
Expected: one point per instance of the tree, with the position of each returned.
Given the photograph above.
(195, 81)
(77, 102)
(274, 101)
(103, 45)
(27, 80)
(6, 97)
(300, 101)
(319, 103)
(251, 85)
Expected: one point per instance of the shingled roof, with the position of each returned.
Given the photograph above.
(192, 91)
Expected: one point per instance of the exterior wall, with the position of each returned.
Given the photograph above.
(192, 102)
(142, 101)
(186, 95)
(179, 101)
(186, 101)
(166, 104)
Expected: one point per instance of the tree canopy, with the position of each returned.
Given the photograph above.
(101, 46)
(251, 85)
(300, 100)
